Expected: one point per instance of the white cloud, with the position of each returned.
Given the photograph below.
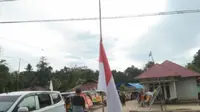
(58, 39)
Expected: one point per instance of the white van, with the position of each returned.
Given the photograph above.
(32, 101)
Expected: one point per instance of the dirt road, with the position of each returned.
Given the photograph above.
(133, 105)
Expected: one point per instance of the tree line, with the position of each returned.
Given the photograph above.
(67, 77)
(63, 79)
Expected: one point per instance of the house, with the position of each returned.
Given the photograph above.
(177, 82)
(87, 85)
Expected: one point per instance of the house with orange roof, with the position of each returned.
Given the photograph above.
(177, 82)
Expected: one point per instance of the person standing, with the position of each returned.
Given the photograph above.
(123, 98)
(78, 102)
(142, 99)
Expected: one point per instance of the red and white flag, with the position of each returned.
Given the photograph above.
(106, 83)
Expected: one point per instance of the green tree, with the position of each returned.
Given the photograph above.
(131, 73)
(193, 67)
(63, 79)
(12, 85)
(27, 76)
(148, 65)
(122, 87)
(119, 76)
(195, 64)
(29, 68)
(4, 75)
(43, 73)
(196, 60)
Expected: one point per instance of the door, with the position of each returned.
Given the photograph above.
(58, 103)
(168, 91)
(51, 102)
(29, 102)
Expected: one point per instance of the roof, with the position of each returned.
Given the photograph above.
(36, 88)
(167, 69)
(73, 92)
(18, 93)
(90, 80)
(184, 72)
(87, 85)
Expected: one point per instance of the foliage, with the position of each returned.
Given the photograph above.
(122, 87)
(4, 75)
(148, 65)
(193, 67)
(67, 78)
(195, 64)
(63, 79)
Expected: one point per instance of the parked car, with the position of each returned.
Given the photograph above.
(32, 101)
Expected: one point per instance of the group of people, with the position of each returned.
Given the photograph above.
(144, 98)
(76, 103)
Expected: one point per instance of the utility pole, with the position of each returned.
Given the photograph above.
(1, 49)
(18, 73)
(151, 55)
(159, 82)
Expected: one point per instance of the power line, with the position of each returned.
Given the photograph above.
(113, 17)
(7, 0)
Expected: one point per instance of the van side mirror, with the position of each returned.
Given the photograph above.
(22, 109)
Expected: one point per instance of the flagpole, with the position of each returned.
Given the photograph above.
(100, 33)
(161, 93)
(100, 23)
(151, 55)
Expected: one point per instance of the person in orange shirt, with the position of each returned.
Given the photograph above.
(142, 99)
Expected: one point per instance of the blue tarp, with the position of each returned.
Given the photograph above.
(136, 85)
(119, 84)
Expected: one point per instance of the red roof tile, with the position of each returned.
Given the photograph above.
(167, 69)
(156, 71)
(184, 72)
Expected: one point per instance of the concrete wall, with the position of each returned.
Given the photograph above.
(187, 89)
(173, 90)
(146, 86)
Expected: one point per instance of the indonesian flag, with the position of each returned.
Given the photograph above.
(106, 83)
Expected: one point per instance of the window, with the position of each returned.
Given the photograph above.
(28, 102)
(6, 102)
(56, 98)
(151, 87)
(44, 100)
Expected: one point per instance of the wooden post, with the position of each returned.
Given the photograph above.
(18, 73)
(161, 106)
(102, 100)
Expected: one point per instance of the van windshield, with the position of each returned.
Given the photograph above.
(6, 102)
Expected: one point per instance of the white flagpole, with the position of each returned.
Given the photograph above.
(100, 32)
(100, 24)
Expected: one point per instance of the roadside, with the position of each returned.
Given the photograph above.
(133, 106)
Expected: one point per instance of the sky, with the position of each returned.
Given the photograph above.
(76, 43)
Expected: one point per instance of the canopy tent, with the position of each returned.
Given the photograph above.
(135, 85)
(119, 84)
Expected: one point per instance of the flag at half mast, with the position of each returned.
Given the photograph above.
(106, 83)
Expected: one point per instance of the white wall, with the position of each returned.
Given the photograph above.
(187, 89)
(146, 86)
(173, 90)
